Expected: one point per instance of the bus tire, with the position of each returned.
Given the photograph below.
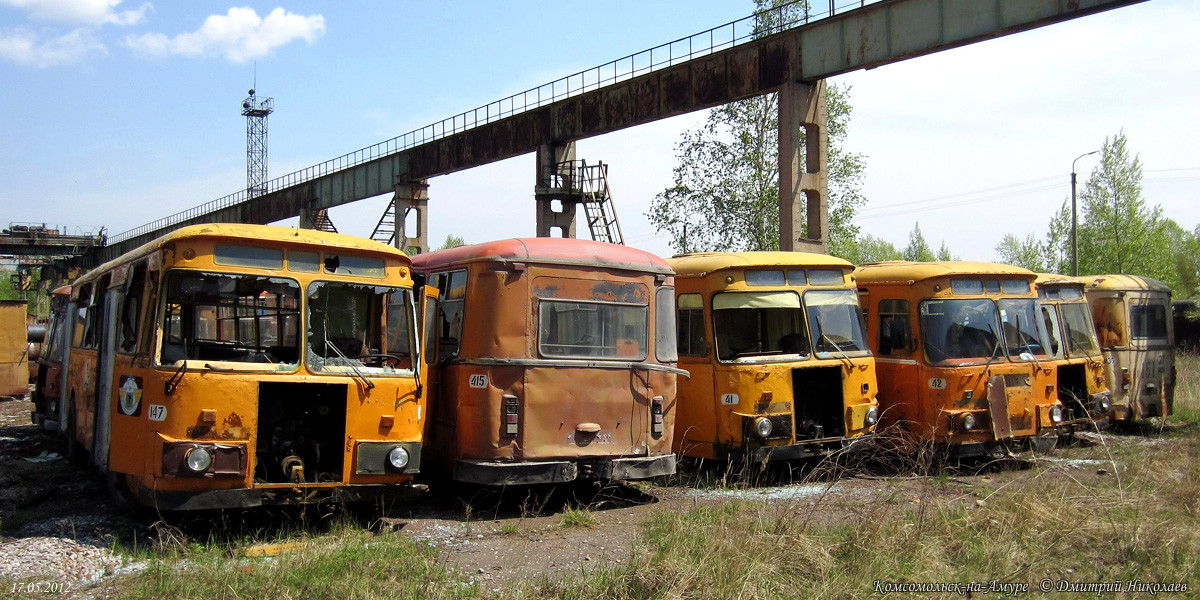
(119, 494)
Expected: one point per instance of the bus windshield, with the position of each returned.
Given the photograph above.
(1078, 332)
(576, 329)
(965, 328)
(1023, 331)
(753, 324)
(356, 329)
(834, 322)
(230, 318)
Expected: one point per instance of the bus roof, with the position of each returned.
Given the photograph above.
(699, 264)
(565, 251)
(250, 233)
(1054, 279)
(900, 271)
(1123, 282)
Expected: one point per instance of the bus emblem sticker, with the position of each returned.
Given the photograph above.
(937, 383)
(157, 412)
(478, 381)
(729, 399)
(130, 395)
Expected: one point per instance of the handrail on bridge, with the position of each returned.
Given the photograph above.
(767, 21)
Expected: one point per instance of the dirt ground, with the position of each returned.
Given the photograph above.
(56, 523)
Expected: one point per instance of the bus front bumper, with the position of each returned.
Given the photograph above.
(563, 471)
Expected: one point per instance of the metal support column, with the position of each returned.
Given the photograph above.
(549, 182)
(802, 107)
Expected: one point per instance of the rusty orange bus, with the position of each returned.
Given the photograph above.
(240, 365)
(1082, 387)
(1132, 315)
(774, 344)
(555, 361)
(961, 352)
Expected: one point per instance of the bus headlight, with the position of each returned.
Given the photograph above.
(398, 457)
(1103, 401)
(763, 427)
(1056, 414)
(198, 459)
(872, 416)
(968, 421)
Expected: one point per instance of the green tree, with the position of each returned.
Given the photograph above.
(1028, 253)
(943, 252)
(868, 248)
(452, 241)
(918, 249)
(725, 194)
(1118, 233)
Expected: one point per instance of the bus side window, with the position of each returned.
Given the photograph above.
(690, 326)
(82, 307)
(131, 310)
(1109, 316)
(95, 314)
(895, 328)
(148, 314)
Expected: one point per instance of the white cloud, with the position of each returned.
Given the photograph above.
(85, 12)
(239, 35)
(29, 49)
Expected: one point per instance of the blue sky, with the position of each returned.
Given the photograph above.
(115, 113)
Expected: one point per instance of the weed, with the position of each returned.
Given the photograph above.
(576, 517)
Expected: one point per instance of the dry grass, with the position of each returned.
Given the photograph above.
(1127, 510)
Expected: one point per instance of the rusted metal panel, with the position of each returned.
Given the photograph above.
(675, 96)
(710, 80)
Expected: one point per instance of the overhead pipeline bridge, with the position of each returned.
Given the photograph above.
(748, 57)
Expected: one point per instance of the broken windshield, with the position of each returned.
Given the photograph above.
(230, 318)
(360, 329)
(759, 324)
(834, 322)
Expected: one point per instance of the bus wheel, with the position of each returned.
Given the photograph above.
(76, 455)
(118, 491)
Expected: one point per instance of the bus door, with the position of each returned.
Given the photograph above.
(109, 313)
(129, 359)
(699, 412)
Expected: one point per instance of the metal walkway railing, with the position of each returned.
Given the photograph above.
(769, 21)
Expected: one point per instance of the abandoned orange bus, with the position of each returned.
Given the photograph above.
(961, 353)
(240, 365)
(1082, 387)
(555, 361)
(774, 344)
(1132, 315)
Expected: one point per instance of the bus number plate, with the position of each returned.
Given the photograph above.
(937, 383)
(729, 399)
(478, 381)
(157, 412)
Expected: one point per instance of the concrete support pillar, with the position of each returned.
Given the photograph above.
(412, 199)
(308, 216)
(802, 107)
(549, 190)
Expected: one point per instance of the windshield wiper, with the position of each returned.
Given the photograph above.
(359, 374)
(822, 337)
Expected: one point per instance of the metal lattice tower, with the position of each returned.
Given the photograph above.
(256, 112)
